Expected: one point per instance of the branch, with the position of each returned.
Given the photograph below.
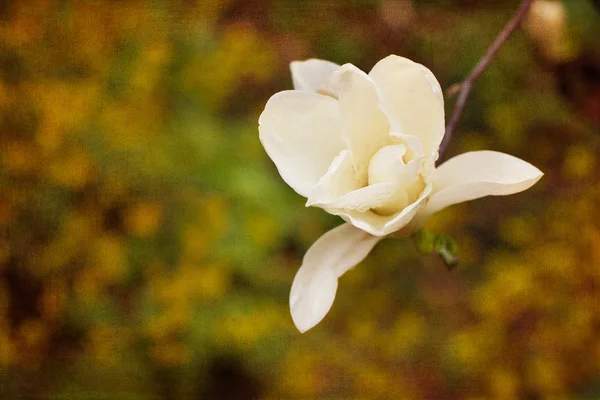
(467, 84)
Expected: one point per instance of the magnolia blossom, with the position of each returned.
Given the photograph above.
(364, 147)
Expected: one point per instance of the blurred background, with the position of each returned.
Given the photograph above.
(148, 244)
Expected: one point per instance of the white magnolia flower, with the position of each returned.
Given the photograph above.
(364, 146)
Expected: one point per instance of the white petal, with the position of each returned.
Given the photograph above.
(388, 190)
(412, 143)
(379, 225)
(363, 199)
(315, 284)
(413, 99)
(388, 165)
(366, 125)
(302, 133)
(312, 75)
(477, 174)
(339, 180)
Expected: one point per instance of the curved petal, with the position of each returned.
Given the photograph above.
(477, 174)
(302, 133)
(379, 225)
(413, 99)
(315, 284)
(363, 199)
(366, 126)
(339, 180)
(312, 75)
(414, 149)
(386, 194)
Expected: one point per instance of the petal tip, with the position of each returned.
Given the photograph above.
(303, 316)
(303, 325)
(311, 297)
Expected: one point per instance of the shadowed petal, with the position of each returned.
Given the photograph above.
(363, 199)
(339, 180)
(302, 133)
(366, 126)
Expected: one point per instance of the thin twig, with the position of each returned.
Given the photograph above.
(467, 84)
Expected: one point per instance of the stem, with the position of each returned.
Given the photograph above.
(469, 82)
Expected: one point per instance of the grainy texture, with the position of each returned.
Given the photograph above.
(147, 243)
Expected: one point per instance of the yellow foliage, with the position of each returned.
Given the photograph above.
(20, 158)
(473, 348)
(407, 333)
(464, 349)
(545, 375)
(4, 306)
(53, 300)
(108, 259)
(518, 230)
(87, 287)
(361, 329)
(301, 373)
(4, 247)
(104, 343)
(207, 13)
(144, 219)
(27, 23)
(73, 170)
(172, 321)
(7, 351)
(31, 339)
(196, 242)
(261, 229)
(579, 323)
(212, 281)
(239, 329)
(579, 162)
(372, 382)
(504, 118)
(64, 109)
(504, 384)
(556, 258)
(241, 54)
(134, 260)
(214, 214)
(170, 353)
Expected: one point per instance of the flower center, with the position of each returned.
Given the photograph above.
(392, 164)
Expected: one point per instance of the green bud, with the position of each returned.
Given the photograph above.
(423, 240)
(447, 249)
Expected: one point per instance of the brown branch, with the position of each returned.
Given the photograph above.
(467, 84)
